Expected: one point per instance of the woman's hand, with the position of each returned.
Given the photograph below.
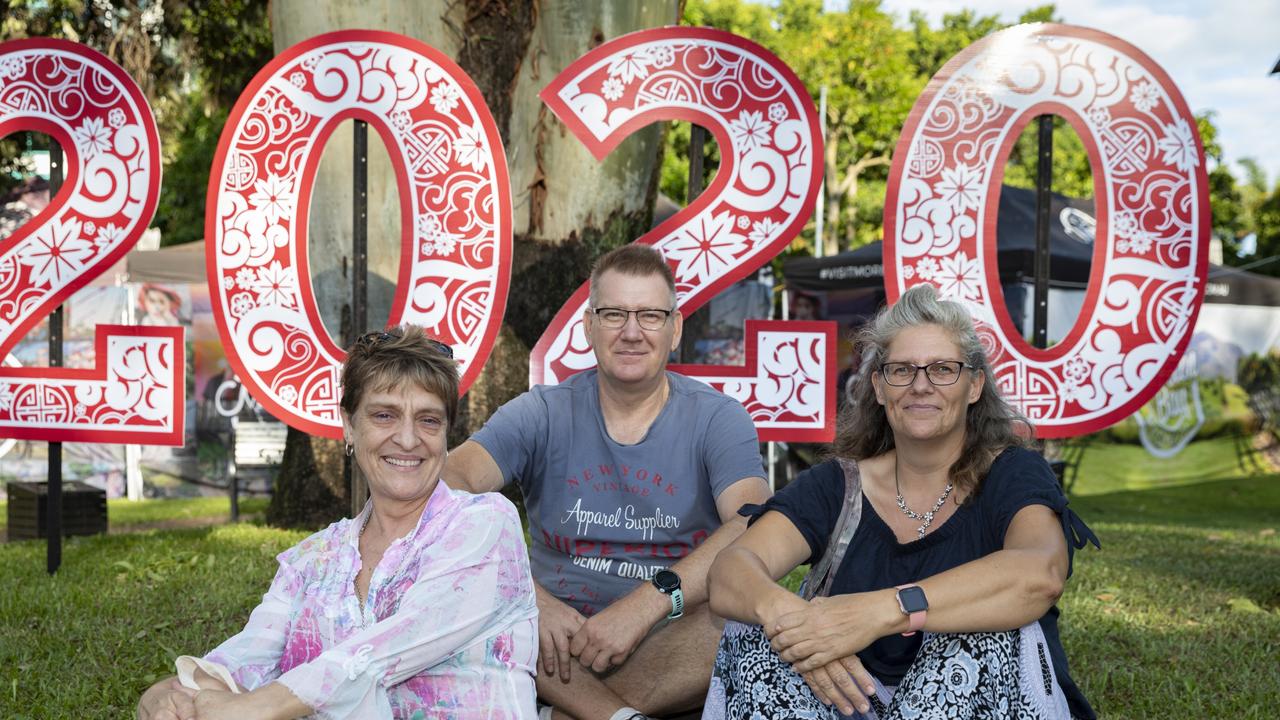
(781, 603)
(843, 683)
(218, 705)
(270, 702)
(167, 700)
(831, 628)
(557, 623)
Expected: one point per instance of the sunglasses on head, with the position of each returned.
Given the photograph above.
(377, 337)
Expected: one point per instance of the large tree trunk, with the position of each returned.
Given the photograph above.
(569, 208)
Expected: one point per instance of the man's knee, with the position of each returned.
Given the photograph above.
(671, 668)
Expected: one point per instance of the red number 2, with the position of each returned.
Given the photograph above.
(98, 115)
(771, 168)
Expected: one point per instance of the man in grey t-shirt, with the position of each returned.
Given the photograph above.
(629, 474)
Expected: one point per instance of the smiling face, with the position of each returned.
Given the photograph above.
(399, 436)
(631, 354)
(922, 410)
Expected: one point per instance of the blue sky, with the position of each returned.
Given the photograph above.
(1218, 53)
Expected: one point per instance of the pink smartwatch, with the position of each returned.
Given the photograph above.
(914, 605)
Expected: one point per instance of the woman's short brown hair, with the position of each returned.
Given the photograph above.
(399, 356)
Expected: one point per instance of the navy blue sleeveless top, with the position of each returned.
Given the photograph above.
(876, 560)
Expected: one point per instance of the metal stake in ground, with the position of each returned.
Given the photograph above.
(53, 507)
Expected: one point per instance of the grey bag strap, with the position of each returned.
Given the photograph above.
(818, 580)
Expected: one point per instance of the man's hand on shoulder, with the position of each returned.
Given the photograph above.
(609, 637)
(557, 625)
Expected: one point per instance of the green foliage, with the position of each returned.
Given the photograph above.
(1072, 174)
(866, 65)
(191, 148)
(933, 47)
(1260, 379)
(14, 167)
(673, 180)
(1260, 372)
(228, 41)
(192, 59)
(1266, 214)
(875, 70)
(225, 43)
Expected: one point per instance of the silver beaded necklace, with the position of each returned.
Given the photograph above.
(902, 503)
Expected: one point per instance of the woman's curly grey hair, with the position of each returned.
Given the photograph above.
(991, 423)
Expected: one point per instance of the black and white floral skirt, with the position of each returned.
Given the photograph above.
(967, 675)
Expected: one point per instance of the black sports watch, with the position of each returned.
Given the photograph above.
(668, 583)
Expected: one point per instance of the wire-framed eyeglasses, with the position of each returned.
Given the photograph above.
(648, 318)
(941, 372)
(377, 337)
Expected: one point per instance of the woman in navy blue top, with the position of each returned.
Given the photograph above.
(964, 534)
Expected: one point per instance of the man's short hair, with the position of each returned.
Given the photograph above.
(636, 261)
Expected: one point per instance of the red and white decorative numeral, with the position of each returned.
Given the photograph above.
(456, 255)
(1151, 196)
(770, 171)
(98, 115)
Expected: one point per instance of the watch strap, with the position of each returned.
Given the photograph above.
(915, 620)
(677, 604)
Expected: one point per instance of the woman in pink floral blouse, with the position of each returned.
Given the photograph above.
(420, 607)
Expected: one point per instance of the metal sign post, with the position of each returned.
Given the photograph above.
(1044, 183)
(359, 280)
(53, 499)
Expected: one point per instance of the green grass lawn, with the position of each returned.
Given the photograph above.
(1178, 615)
(85, 643)
(123, 513)
(1106, 467)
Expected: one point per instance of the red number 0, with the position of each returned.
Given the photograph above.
(771, 167)
(102, 121)
(456, 210)
(1150, 191)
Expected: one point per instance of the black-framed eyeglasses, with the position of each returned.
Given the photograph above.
(377, 337)
(941, 372)
(648, 318)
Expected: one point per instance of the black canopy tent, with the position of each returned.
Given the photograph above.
(1070, 247)
(850, 286)
(1232, 286)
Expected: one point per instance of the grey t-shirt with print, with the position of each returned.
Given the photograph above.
(603, 516)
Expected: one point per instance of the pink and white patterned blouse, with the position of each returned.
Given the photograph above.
(449, 628)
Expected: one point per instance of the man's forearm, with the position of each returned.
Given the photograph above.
(692, 571)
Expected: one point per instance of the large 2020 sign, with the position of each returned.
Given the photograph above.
(456, 247)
